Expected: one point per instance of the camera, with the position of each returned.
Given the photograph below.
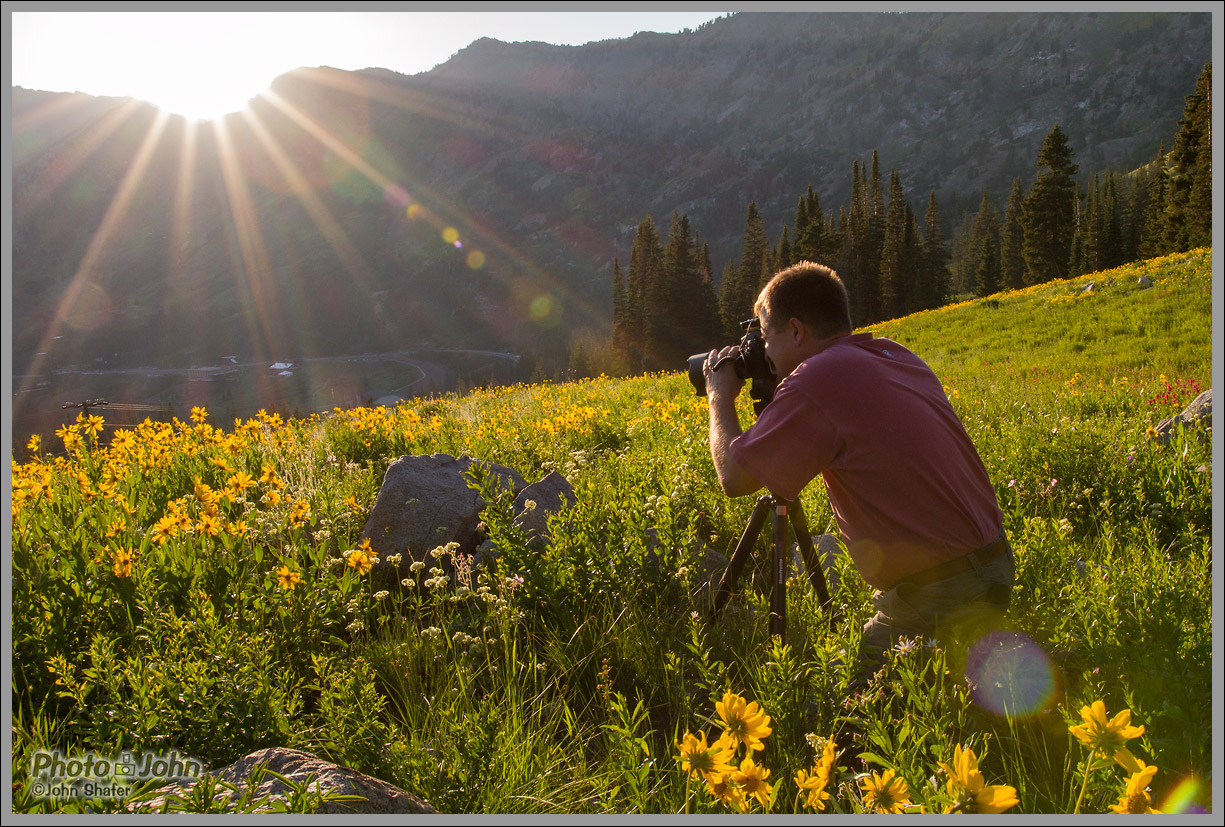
(749, 362)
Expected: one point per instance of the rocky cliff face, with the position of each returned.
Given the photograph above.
(344, 213)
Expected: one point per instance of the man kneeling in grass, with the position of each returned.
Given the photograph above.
(915, 507)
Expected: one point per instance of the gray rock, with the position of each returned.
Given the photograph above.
(1144, 282)
(1198, 413)
(548, 496)
(300, 767)
(424, 503)
(828, 550)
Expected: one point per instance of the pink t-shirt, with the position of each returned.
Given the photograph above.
(905, 482)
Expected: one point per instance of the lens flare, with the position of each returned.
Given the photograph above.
(413, 211)
(1011, 674)
(450, 235)
(395, 195)
(1181, 799)
(542, 309)
(91, 310)
(475, 259)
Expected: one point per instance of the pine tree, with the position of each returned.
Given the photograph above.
(1153, 237)
(622, 334)
(1087, 243)
(985, 249)
(681, 324)
(782, 252)
(894, 298)
(912, 264)
(736, 299)
(1135, 214)
(1189, 200)
(935, 260)
(853, 257)
(1111, 224)
(1012, 240)
(731, 304)
(874, 244)
(1049, 216)
(642, 309)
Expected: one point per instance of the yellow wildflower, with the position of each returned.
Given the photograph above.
(198, 414)
(970, 791)
(121, 563)
(362, 558)
(240, 482)
(287, 578)
(209, 525)
(698, 758)
(300, 513)
(165, 528)
(1107, 738)
(744, 722)
(885, 793)
(1135, 798)
(723, 788)
(751, 779)
(815, 784)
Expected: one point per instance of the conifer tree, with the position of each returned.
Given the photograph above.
(853, 259)
(1135, 214)
(912, 263)
(736, 299)
(935, 259)
(1110, 218)
(782, 253)
(731, 302)
(646, 258)
(985, 246)
(874, 243)
(1087, 254)
(1049, 216)
(1153, 238)
(622, 334)
(1012, 240)
(803, 230)
(894, 289)
(679, 323)
(1189, 200)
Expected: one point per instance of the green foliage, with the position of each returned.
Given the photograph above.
(190, 589)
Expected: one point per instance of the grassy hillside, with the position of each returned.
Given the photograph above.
(194, 587)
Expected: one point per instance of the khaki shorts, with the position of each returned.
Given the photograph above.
(975, 598)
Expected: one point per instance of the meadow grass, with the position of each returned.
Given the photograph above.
(187, 587)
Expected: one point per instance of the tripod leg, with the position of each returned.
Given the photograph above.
(743, 549)
(778, 565)
(812, 562)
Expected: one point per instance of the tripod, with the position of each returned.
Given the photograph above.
(778, 560)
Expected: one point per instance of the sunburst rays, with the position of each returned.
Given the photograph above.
(298, 156)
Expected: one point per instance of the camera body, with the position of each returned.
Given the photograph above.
(749, 362)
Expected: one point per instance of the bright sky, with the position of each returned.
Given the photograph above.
(203, 64)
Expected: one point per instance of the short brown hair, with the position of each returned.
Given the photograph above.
(810, 292)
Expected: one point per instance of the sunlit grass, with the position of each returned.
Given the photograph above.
(201, 586)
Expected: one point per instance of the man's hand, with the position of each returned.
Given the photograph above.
(723, 383)
(722, 388)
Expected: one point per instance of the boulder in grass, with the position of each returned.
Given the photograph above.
(426, 502)
(375, 796)
(538, 501)
(1198, 413)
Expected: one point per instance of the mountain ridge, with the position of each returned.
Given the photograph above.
(543, 159)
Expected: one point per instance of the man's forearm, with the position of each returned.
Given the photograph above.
(725, 427)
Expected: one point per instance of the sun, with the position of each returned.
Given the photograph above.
(201, 65)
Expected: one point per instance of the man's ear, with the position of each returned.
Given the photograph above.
(797, 330)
